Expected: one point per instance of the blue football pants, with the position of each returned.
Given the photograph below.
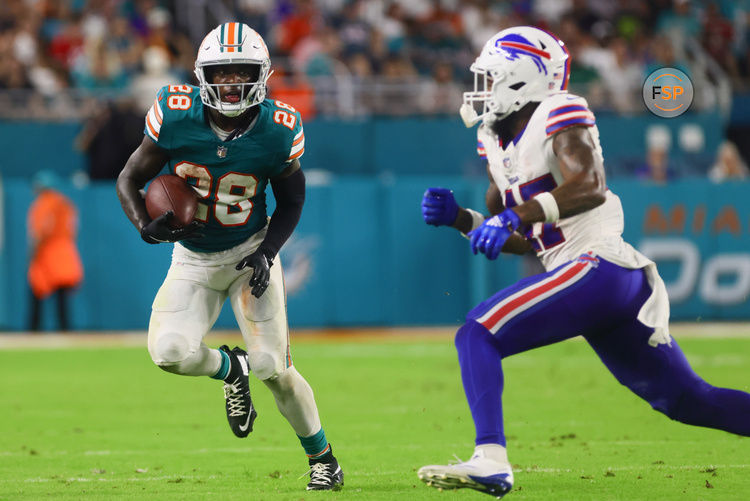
(600, 301)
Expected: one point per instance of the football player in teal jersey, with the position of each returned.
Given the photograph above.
(228, 141)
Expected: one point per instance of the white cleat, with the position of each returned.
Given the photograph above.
(480, 473)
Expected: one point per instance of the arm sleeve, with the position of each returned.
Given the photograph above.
(290, 197)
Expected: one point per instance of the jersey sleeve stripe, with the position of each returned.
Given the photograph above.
(150, 130)
(480, 149)
(153, 123)
(298, 139)
(567, 109)
(296, 155)
(295, 149)
(557, 127)
(157, 111)
(568, 116)
(299, 134)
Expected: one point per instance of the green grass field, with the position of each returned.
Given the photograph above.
(105, 423)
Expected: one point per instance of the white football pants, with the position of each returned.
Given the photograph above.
(188, 304)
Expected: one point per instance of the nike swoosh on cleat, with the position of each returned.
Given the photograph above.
(244, 427)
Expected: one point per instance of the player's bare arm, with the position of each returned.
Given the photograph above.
(439, 208)
(584, 183)
(516, 244)
(142, 166)
(493, 199)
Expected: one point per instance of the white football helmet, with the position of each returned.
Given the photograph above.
(233, 43)
(516, 66)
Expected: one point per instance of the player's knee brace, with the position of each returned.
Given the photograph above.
(263, 365)
(170, 351)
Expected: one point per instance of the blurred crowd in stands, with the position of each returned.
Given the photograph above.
(114, 47)
(356, 57)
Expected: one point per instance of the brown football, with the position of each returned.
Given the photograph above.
(171, 193)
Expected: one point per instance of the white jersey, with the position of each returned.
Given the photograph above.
(528, 166)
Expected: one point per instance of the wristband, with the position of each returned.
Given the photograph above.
(549, 206)
(476, 219)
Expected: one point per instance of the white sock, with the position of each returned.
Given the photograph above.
(495, 452)
(295, 401)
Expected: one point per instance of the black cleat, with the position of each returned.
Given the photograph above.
(240, 411)
(325, 476)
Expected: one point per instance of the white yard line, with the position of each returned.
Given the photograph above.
(645, 466)
(730, 330)
(144, 477)
(140, 478)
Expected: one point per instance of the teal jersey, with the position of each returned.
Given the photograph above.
(229, 176)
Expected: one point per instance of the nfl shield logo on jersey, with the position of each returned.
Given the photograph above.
(506, 162)
(221, 151)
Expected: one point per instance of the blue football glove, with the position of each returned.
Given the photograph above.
(490, 237)
(439, 207)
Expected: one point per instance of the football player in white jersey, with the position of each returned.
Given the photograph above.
(547, 193)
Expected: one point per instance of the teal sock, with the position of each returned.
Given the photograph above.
(315, 445)
(223, 368)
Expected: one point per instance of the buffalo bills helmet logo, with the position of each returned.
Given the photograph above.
(513, 45)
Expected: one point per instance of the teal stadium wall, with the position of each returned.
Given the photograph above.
(362, 255)
(381, 145)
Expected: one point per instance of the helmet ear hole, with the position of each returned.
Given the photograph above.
(517, 85)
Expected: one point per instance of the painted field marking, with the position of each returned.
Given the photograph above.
(368, 473)
(680, 330)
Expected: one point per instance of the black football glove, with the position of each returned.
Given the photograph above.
(261, 265)
(158, 230)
